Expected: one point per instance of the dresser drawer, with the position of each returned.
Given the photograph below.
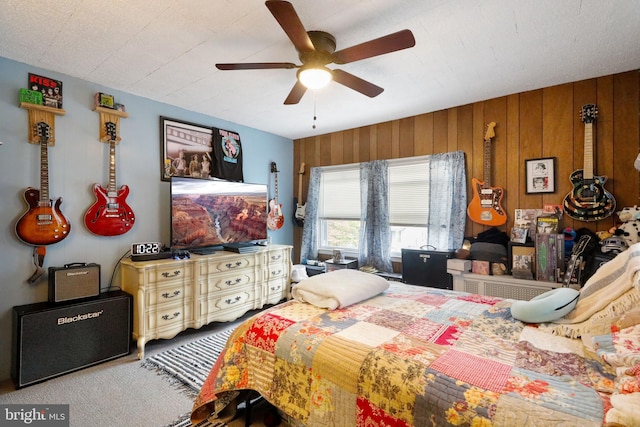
(277, 256)
(168, 294)
(227, 282)
(170, 316)
(179, 272)
(274, 271)
(227, 264)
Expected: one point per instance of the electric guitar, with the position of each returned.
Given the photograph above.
(298, 216)
(486, 205)
(43, 223)
(275, 219)
(110, 215)
(588, 201)
(574, 267)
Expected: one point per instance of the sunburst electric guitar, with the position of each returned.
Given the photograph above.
(43, 223)
(110, 215)
(486, 205)
(588, 201)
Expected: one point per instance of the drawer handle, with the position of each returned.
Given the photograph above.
(232, 282)
(276, 257)
(167, 295)
(232, 301)
(275, 273)
(166, 316)
(276, 288)
(231, 265)
(175, 274)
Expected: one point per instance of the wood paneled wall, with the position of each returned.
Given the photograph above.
(529, 125)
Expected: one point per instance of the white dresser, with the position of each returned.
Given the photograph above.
(173, 295)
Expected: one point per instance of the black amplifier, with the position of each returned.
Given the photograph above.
(74, 281)
(426, 268)
(51, 339)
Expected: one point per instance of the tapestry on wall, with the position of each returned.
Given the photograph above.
(227, 155)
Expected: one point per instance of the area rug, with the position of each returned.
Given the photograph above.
(188, 366)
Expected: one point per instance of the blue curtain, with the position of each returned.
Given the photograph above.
(447, 200)
(309, 246)
(375, 232)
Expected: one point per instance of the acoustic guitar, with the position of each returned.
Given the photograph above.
(486, 205)
(275, 219)
(588, 201)
(110, 215)
(298, 215)
(43, 223)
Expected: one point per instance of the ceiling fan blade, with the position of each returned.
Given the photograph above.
(288, 19)
(356, 83)
(255, 66)
(296, 93)
(390, 43)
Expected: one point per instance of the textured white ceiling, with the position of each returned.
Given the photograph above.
(466, 50)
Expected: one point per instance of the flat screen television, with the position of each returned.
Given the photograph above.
(208, 214)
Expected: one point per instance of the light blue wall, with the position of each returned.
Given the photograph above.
(78, 160)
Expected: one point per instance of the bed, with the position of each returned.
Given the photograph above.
(420, 356)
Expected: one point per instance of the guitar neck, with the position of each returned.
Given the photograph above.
(587, 171)
(111, 189)
(487, 164)
(300, 188)
(44, 171)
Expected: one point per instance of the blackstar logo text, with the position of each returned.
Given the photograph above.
(79, 317)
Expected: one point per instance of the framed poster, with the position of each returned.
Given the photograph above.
(186, 149)
(522, 260)
(540, 175)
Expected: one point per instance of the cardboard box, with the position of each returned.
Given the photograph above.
(480, 267)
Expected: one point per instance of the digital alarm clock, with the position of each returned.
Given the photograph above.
(147, 248)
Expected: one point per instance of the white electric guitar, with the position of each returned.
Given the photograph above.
(298, 216)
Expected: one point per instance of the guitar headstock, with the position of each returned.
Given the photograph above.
(301, 171)
(274, 168)
(110, 128)
(490, 132)
(588, 113)
(43, 131)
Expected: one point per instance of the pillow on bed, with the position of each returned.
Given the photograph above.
(339, 288)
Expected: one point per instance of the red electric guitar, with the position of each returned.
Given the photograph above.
(486, 205)
(275, 219)
(43, 223)
(110, 215)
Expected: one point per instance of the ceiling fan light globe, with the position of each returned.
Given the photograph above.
(315, 78)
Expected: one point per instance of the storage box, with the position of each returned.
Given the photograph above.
(458, 265)
(347, 263)
(480, 267)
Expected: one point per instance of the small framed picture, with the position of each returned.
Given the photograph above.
(105, 100)
(519, 234)
(540, 175)
(522, 260)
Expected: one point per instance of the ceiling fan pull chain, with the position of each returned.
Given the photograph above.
(315, 117)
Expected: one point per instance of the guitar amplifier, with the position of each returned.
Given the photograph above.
(51, 339)
(74, 281)
(426, 268)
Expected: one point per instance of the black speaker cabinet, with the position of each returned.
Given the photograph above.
(51, 339)
(426, 268)
(74, 281)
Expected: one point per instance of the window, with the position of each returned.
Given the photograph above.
(339, 205)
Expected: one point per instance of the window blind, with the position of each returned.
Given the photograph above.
(340, 194)
(409, 187)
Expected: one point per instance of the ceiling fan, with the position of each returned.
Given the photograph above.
(316, 49)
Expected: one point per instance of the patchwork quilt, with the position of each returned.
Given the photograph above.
(411, 356)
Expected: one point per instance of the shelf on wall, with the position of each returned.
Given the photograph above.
(41, 113)
(109, 115)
